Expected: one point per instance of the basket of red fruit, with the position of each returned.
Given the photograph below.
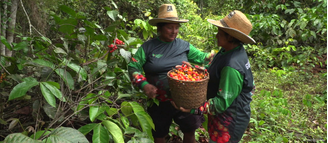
(188, 86)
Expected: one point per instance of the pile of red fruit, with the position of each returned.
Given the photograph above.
(113, 47)
(188, 73)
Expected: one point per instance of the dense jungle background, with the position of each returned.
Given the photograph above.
(60, 82)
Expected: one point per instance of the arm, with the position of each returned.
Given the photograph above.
(197, 56)
(135, 69)
(231, 84)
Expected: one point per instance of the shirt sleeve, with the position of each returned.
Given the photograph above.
(198, 57)
(135, 68)
(230, 87)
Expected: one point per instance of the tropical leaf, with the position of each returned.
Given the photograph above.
(112, 14)
(66, 76)
(100, 135)
(87, 128)
(19, 138)
(44, 63)
(68, 10)
(66, 135)
(50, 98)
(54, 90)
(114, 130)
(5, 42)
(20, 89)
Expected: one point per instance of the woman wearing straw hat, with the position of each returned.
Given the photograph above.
(231, 81)
(155, 58)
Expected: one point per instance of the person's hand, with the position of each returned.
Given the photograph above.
(181, 108)
(150, 90)
(183, 63)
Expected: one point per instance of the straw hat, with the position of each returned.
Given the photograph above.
(236, 25)
(167, 14)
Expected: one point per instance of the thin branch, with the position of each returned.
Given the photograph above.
(28, 18)
(4, 68)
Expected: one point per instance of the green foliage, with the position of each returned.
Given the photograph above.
(62, 134)
(70, 73)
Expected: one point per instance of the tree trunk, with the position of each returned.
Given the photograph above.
(3, 26)
(12, 24)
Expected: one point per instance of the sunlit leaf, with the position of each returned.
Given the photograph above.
(112, 14)
(100, 135)
(67, 135)
(60, 51)
(93, 110)
(19, 138)
(114, 130)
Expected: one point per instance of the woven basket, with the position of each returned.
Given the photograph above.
(188, 94)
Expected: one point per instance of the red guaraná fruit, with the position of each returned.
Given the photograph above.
(225, 137)
(119, 42)
(112, 48)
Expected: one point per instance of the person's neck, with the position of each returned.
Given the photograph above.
(163, 39)
(230, 47)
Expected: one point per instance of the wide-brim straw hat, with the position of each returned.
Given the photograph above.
(236, 25)
(167, 14)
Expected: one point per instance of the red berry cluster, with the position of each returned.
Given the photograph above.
(2, 77)
(187, 73)
(118, 41)
(218, 132)
(112, 48)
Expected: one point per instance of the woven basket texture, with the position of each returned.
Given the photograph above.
(188, 94)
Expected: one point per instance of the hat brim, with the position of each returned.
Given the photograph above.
(233, 32)
(154, 21)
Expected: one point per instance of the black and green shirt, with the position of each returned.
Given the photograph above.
(229, 95)
(155, 58)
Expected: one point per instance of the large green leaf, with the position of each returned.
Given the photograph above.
(54, 90)
(68, 10)
(66, 76)
(20, 46)
(87, 128)
(19, 138)
(146, 122)
(44, 63)
(93, 111)
(50, 98)
(5, 42)
(112, 14)
(100, 135)
(66, 135)
(114, 130)
(136, 107)
(126, 108)
(20, 89)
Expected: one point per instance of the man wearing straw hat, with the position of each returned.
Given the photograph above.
(231, 81)
(155, 58)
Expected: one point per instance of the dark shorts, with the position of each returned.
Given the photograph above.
(163, 114)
